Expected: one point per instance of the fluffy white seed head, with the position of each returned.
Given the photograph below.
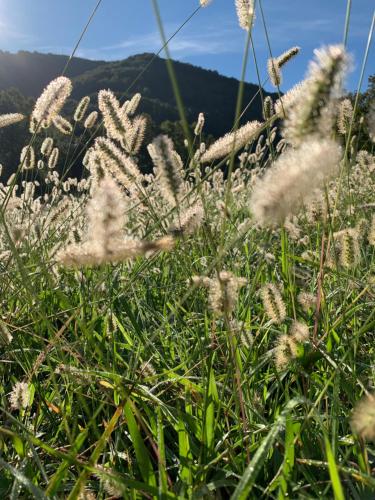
(19, 398)
(293, 179)
(200, 124)
(53, 158)
(275, 64)
(232, 142)
(169, 168)
(62, 125)
(121, 166)
(130, 107)
(245, 13)
(274, 72)
(273, 303)
(91, 120)
(81, 109)
(47, 146)
(10, 118)
(189, 221)
(27, 158)
(363, 418)
(314, 109)
(116, 121)
(51, 101)
(345, 116)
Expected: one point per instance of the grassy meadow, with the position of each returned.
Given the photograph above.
(204, 331)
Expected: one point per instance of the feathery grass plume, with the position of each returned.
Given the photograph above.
(106, 212)
(232, 142)
(307, 301)
(19, 398)
(46, 147)
(112, 487)
(362, 228)
(10, 118)
(287, 56)
(123, 168)
(11, 179)
(81, 109)
(273, 303)
(163, 244)
(40, 165)
(299, 332)
(286, 102)
(200, 281)
(292, 228)
(286, 349)
(313, 110)
(116, 122)
(135, 136)
(287, 344)
(188, 222)
(62, 125)
(90, 253)
(222, 291)
(371, 233)
(293, 179)
(33, 126)
(275, 64)
(169, 168)
(53, 158)
(204, 3)
(316, 209)
(147, 370)
(274, 72)
(345, 115)
(86, 158)
(245, 13)
(267, 108)
(97, 166)
(363, 418)
(130, 107)
(59, 211)
(51, 101)
(91, 120)
(350, 252)
(27, 158)
(105, 238)
(200, 124)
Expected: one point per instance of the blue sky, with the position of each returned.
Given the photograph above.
(212, 39)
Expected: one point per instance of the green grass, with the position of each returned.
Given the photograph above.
(139, 390)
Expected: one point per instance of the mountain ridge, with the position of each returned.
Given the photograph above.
(24, 75)
(202, 90)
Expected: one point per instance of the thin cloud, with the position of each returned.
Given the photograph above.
(183, 45)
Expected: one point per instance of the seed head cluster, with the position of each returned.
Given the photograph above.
(293, 179)
(19, 398)
(273, 303)
(51, 101)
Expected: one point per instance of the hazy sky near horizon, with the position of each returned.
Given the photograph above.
(211, 39)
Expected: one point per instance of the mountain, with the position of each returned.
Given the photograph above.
(201, 89)
(30, 72)
(24, 75)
